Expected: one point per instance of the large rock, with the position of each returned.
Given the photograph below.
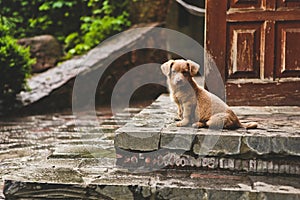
(46, 49)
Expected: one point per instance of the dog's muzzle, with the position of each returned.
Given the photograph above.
(178, 79)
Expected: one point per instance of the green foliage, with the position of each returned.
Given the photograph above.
(104, 21)
(15, 66)
(81, 25)
(36, 17)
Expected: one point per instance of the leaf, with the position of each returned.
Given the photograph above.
(97, 11)
(86, 19)
(70, 4)
(58, 4)
(72, 51)
(44, 7)
(24, 3)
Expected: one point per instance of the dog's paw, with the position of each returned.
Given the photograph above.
(182, 123)
(198, 125)
(179, 124)
(178, 118)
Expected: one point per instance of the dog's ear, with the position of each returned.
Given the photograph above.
(166, 67)
(194, 67)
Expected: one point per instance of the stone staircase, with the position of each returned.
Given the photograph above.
(152, 139)
(148, 157)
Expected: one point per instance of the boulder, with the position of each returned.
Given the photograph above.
(46, 49)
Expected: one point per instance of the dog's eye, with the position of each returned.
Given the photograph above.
(173, 72)
(185, 73)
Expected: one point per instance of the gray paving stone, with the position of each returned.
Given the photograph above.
(142, 139)
(177, 138)
(115, 192)
(177, 141)
(259, 145)
(84, 151)
(293, 146)
(175, 194)
(217, 145)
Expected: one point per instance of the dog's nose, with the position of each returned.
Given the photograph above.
(177, 80)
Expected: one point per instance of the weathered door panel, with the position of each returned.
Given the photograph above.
(287, 49)
(256, 46)
(288, 4)
(248, 4)
(243, 50)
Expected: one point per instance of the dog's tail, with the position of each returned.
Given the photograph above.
(249, 125)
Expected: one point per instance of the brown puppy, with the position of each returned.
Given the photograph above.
(195, 104)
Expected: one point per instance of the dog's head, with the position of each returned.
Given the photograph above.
(180, 72)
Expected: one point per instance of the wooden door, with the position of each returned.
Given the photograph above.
(256, 46)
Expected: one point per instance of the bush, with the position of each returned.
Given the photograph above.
(35, 17)
(105, 20)
(15, 66)
(80, 25)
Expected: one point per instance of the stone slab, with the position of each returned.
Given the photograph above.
(177, 141)
(216, 145)
(44, 84)
(59, 183)
(278, 132)
(277, 145)
(142, 139)
(84, 151)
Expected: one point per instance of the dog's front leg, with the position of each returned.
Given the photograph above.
(187, 110)
(179, 111)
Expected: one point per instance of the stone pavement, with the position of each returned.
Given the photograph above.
(153, 159)
(28, 141)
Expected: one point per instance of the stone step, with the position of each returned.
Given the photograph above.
(91, 166)
(151, 136)
(98, 179)
(166, 159)
(42, 143)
